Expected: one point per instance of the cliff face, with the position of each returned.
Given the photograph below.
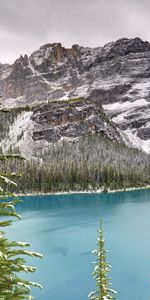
(32, 131)
(57, 121)
(115, 77)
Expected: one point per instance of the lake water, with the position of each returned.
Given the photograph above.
(64, 229)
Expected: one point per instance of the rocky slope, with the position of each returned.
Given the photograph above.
(116, 77)
(32, 130)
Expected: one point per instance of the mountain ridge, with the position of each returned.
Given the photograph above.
(115, 77)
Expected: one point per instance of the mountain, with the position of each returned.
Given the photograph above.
(33, 129)
(109, 88)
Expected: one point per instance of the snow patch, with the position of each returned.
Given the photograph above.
(130, 137)
(141, 89)
(117, 106)
(81, 91)
(13, 102)
(20, 135)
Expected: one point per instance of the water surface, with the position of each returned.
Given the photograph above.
(64, 229)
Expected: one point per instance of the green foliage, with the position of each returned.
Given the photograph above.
(70, 100)
(89, 163)
(101, 271)
(11, 156)
(18, 109)
(12, 253)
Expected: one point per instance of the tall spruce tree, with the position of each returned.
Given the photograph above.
(12, 253)
(101, 271)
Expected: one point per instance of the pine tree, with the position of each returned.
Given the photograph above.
(101, 271)
(12, 253)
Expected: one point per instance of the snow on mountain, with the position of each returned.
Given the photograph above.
(32, 131)
(115, 77)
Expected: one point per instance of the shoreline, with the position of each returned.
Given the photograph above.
(99, 191)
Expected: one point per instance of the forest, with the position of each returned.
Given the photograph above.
(87, 163)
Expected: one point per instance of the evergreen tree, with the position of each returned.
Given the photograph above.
(12, 253)
(101, 271)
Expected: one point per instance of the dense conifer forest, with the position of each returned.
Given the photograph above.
(88, 163)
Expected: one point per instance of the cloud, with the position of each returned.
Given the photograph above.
(26, 25)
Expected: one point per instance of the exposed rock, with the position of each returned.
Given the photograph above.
(111, 95)
(144, 133)
(115, 76)
(123, 47)
(32, 131)
(58, 120)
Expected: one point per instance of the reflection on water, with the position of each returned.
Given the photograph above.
(80, 200)
(64, 229)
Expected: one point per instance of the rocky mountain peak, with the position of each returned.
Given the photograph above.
(55, 53)
(22, 60)
(135, 45)
(124, 47)
(20, 68)
(116, 76)
(51, 45)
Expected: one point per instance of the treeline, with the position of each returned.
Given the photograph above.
(89, 163)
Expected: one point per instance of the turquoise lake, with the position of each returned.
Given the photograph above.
(64, 228)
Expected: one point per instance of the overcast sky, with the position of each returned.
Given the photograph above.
(25, 25)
